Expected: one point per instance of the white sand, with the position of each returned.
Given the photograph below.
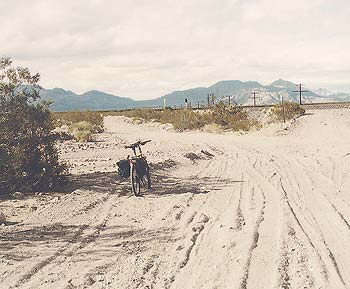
(271, 209)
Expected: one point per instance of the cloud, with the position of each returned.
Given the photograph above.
(280, 11)
(144, 49)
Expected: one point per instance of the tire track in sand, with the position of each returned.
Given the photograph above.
(69, 249)
(328, 252)
(254, 244)
(324, 268)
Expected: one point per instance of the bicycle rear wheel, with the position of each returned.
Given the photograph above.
(135, 181)
(148, 178)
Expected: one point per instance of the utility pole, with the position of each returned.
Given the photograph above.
(229, 100)
(283, 110)
(300, 92)
(254, 93)
(210, 99)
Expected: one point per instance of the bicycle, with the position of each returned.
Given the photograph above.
(139, 168)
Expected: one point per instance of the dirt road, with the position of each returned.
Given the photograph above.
(269, 209)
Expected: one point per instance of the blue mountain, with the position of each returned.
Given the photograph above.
(240, 92)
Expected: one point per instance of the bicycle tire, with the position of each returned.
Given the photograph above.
(148, 178)
(135, 181)
(146, 181)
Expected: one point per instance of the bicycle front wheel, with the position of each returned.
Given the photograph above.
(135, 180)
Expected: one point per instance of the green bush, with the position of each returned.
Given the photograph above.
(81, 131)
(95, 118)
(28, 156)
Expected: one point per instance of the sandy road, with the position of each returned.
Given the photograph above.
(264, 210)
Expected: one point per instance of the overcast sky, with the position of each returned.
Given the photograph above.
(146, 48)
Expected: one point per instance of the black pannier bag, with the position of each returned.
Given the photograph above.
(124, 168)
(141, 167)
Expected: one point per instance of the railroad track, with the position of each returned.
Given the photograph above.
(307, 106)
(331, 105)
(310, 106)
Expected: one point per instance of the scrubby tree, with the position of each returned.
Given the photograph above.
(28, 156)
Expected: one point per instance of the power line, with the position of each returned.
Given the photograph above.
(300, 92)
(229, 99)
(210, 99)
(254, 93)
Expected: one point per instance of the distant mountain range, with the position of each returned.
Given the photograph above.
(240, 92)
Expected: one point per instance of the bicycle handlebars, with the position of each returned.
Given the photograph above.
(137, 144)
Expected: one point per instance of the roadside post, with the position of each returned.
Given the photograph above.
(283, 110)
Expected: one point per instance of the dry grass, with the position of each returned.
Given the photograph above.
(292, 110)
(232, 117)
(82, 125)
(225, 117)
(222, 116)
(181, 119)
(95, 118)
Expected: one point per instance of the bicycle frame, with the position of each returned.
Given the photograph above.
(140, 151)
(132, 159)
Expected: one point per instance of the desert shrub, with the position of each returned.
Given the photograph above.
(81, 131)
(144, 114)
(292, 110)
(189, 119)
(95, 118)
(181, 119)
(28, 156)
(227, 117)
(232, 117)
